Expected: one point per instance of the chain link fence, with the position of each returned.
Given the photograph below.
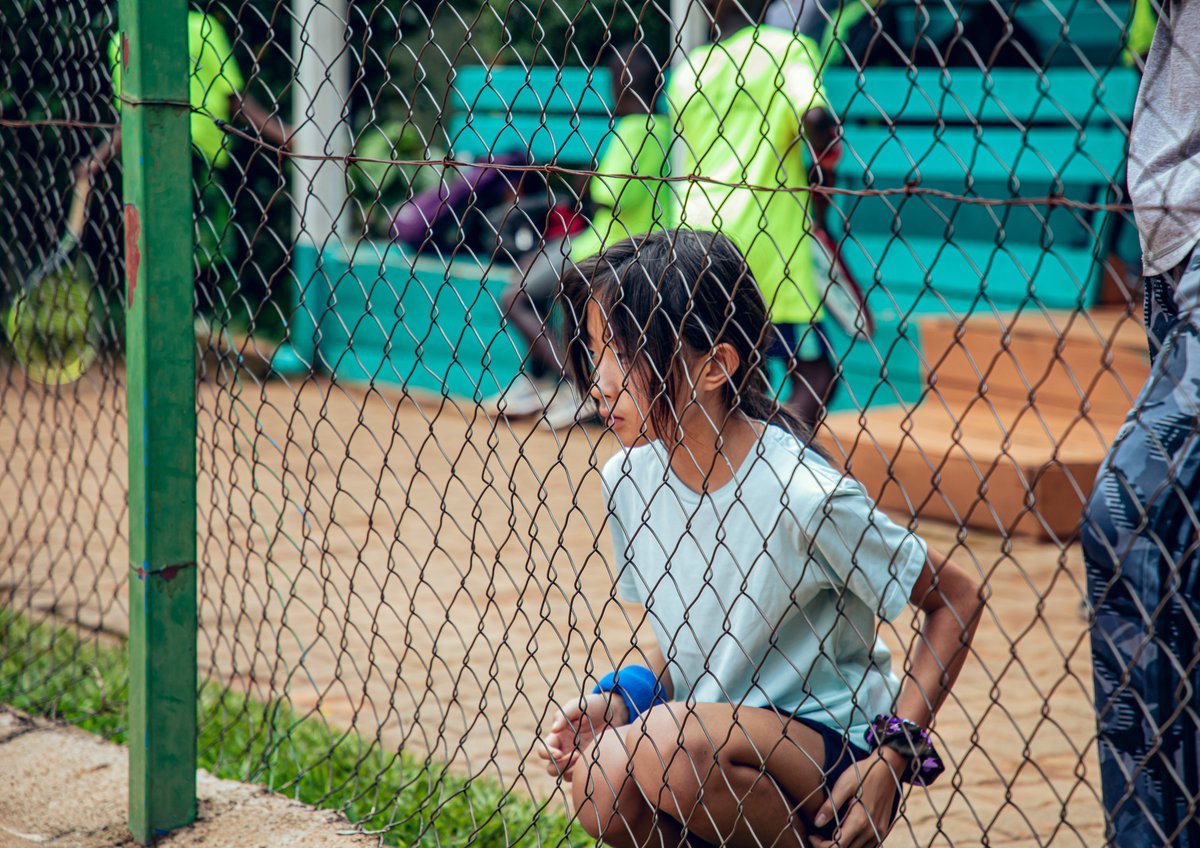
(405, 503)
(64, 505)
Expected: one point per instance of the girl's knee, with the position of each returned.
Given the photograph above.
(679, 756)
(624, 779)
(603, 790)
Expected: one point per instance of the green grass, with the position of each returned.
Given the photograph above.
(54, 672)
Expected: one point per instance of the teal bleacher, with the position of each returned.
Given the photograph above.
(1006, 135)
(434, 323)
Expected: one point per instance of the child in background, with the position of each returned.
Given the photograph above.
(769, 713)
(623, 207)
(748, 109)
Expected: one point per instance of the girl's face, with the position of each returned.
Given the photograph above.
(624, 403)
(626, 392)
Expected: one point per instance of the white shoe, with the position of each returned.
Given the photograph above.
(564, 410)
(524, 397)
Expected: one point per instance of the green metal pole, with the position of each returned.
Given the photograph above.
(161, 374)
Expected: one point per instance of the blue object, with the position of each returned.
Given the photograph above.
(287, 362)
(637, 685)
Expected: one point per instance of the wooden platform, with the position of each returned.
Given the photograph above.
(1017, 415)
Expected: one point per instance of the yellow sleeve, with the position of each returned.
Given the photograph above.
(214, 59)
(114, 64)
(801, 82)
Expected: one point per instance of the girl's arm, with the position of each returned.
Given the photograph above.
(267, 124)
(951, 603)
(580, 721)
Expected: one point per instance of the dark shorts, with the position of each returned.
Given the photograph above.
(805, 342)
(840, 754)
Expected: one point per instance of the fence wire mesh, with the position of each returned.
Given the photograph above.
(405, 503)
(64, 469)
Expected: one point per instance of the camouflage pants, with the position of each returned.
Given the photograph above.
(1141, 542)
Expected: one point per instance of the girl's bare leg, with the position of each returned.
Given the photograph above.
(747, 776)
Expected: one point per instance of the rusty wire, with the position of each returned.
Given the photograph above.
(397, 575)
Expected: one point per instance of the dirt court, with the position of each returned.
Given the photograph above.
(428, 576)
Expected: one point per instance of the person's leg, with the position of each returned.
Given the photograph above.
(213, 243)
(1140, 542)
(811, 383)
(526, 304)
(724, 775)
(811, 375)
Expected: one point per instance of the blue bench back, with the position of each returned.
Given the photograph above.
(1065, 33)
(560, 116)
(1010, 136)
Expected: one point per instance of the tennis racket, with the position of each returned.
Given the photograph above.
(51, 323)
(845, 302)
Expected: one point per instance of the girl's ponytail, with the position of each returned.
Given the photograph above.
(756, 398)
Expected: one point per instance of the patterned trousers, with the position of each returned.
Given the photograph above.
(1141, 543)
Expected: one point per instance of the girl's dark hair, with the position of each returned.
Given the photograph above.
(668, 295)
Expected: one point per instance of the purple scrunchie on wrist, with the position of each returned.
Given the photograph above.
(910, 739)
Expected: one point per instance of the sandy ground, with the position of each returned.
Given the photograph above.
(62, 788)
(432, 578)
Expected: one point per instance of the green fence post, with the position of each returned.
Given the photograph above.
(161, 374)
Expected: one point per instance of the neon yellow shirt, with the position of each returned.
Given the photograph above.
(1141, 31)
(215, 77)
(739, 104)
(626, 207)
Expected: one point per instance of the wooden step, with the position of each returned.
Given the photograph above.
(1093, 362)
(998, 468)
(1009, 437)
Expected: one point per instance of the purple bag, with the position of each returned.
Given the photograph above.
(477, 186)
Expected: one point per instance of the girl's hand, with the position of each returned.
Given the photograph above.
(575, 728)
(866, 807)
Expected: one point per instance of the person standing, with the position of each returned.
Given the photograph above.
(1141, 530)
(217, 93)
(628, 197)
(803, 17)
(756, 136)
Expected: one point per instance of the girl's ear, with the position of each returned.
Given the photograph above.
(720, 366)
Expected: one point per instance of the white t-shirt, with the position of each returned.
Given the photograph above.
(765, 592)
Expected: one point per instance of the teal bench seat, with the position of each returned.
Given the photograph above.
(417, 322)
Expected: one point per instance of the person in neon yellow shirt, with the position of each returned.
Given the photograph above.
(1140, 33)
(623, 207)
(216, 93)
(215, 87)
(751, 117)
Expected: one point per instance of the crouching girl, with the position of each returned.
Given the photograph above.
(768, 713)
